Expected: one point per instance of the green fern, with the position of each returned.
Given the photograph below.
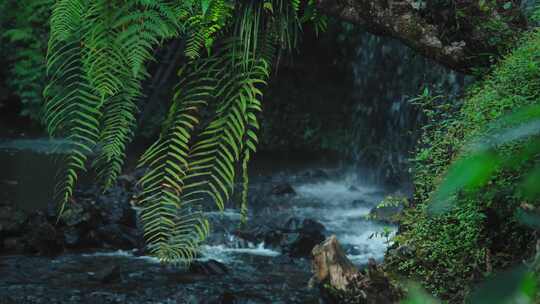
(96, 62)
(173, 227)
(182, 171)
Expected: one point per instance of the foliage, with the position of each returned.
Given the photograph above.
(516, 285)
(96, 61)
(25, 34)
(454, 249)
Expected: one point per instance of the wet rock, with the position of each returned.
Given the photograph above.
(14, 245)
(296, 237)
(386, 214)
(359, 203)
(300, 242)
(11, 220)
(227, 298)
(283, 189)
(293, 224)
(403, 251)
(272, 238)
(118, 236)
(108, 274)
(76, 214)
(126, 181)
(115, 207)
(310, 226)
(210, 267)
(297, 245)
(43, 238)
(315, 174)
(72, 237)
(353, 188)
(106, 297)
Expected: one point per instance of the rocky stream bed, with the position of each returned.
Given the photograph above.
(95, 253)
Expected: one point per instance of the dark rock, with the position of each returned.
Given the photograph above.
(293, 224)
(14, 245)
(72, 237)
(310, 226)
(272, 238)
(11, 220)
(301, 242)
(76, 214)
(210, 267)
(359, 203)
(118, 236)
(227, 298)
(386, 214)
(353, 188)
(252, 235)
(317, 174)
(405, 251)
(283, 189)
(126, 181)
(296, 237)
(300, 245)
(108, 274)
(115, 208)
(43, 237)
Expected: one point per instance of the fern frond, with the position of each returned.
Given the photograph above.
(96, 62)
(142, 28)
(203, 27)
(72, 111)
(117, 130)
(221, 143)
(67, 17)
(173, 227)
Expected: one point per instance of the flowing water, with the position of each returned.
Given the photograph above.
(256, 272)
(386, 75)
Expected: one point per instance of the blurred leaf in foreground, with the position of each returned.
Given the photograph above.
(484, 158)
(513, 286)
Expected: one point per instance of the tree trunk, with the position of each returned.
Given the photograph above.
(462, 34)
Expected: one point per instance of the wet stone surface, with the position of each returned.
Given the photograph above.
(127, 279)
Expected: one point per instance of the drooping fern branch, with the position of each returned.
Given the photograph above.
(173, 226)
(96, 63)
(184, 173)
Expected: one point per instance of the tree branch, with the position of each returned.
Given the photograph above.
(460, 34)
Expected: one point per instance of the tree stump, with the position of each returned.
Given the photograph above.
(341, 282)
(330, 264)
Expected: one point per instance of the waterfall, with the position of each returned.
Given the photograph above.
(385, 125)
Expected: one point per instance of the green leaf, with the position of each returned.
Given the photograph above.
(501, 288)
(468, 173)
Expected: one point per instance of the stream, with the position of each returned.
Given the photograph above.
(235, 266)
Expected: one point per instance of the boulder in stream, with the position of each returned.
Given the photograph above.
(296, 237)
(389, 210)
(283, 189)
(11, 219)
(210, 267)
(300, 237)
(108, 274)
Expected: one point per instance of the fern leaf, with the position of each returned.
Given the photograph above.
(72, 110)
(172, 223)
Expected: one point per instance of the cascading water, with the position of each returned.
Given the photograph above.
(385, 125)
(262, 258)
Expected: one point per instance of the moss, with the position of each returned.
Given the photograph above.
(451, 252)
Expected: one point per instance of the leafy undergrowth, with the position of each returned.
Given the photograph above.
(449, 253)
